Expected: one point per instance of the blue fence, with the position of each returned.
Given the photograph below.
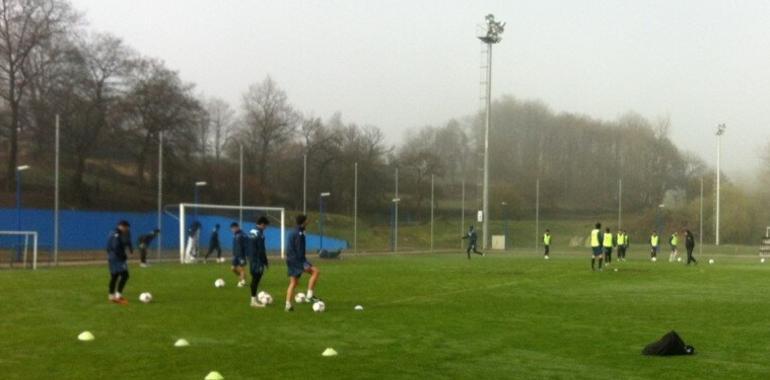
(88, 230)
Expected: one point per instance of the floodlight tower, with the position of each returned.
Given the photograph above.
(492, 36)
(720, 131)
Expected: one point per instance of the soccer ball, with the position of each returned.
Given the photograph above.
(299, 297)
(711, 261)
(654, 259)
(546, 257)
(358, 308)
(265, 298)
(319, 307)
(679, 259)
(219, 283)
(762, 260)
(145, 297)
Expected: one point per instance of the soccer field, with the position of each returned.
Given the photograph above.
(513, 316)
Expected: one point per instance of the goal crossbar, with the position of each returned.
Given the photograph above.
(182, 221)
(26, 235)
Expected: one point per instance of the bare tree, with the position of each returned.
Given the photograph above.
(269, 122)
(221, 118)
(25, 26)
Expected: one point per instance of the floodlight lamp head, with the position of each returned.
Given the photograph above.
(22, 168)
(201, 183)
(326, 194)
(493, 31)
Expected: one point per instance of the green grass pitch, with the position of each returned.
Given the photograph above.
(513, 316)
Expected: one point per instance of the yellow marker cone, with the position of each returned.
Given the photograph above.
(214, 375)
(329, 352)
(181, 343)
(86, 336)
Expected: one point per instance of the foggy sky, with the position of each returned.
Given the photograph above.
(405, 64)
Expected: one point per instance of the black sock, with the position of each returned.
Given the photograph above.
(255, 277)
(593, 263)
(600, 263)
(113, 281)
(123, 279)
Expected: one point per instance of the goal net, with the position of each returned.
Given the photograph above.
(198, 223)
(19, 248)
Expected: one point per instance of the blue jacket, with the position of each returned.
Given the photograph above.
(257, 253)
(117, 243)
(296, 252)
(214, 240)
(240, 243)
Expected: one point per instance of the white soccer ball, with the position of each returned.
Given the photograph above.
(654, 259)
(762, 260)
(711, 261)
(219, 283)
(319, 307)
(265, 298)
(679, 259)
(299, 297)
(546, 257)
(145, 297)
(358, 308)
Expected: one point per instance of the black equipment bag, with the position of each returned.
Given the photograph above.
(669, 345)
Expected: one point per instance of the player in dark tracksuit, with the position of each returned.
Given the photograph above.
(214, 244)
(240, 243)
(144, 243)
(257, 255)
(297, 263)
(689, 243)
(118, 242)
(472, 240)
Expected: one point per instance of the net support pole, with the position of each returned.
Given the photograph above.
(432, 203)
(355, 207)
(181, 232)
(240, 183)
(56, 197)
(283, 234)
(34, 251)
(160, 193)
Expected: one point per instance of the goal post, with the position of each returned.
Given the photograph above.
(188, 211)
(24, 238)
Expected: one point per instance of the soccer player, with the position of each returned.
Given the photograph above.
(608, 243)
(240, 242)
(623, 243)
(144, 243)
(191, 253)
(297, 263)
(118, 243)
(214, 245)
(472, 239)
(689, 243)
(674, 242)
(547, 243)
(654, 245)
(596, 246)
(257, 255)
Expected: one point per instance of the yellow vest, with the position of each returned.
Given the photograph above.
(595, 238)
(547, 239)
(607, 240)
(621, 239)
(674, 239)
(654, 239)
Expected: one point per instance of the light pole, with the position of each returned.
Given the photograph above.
(432, 203)
(57, 140)
(240, 183)
(160, 193)
(355, 208)
(304, 183)
(198, 185)
(394, 224)
(505, 220)
(700, 234)
(660, 219)
(492, 36)
(720, 131)
(537, 214)
(620, 202)
(19, 169)
(462, 214)
(321, 218)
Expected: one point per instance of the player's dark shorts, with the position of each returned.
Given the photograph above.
(597, 251)
(607, 250)
(118, 266)
(296, 269)
(239, 261)
(654, 249)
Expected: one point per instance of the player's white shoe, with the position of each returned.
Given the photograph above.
(241, 283)
(257, 304)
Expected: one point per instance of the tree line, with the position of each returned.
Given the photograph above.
(115, 103)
